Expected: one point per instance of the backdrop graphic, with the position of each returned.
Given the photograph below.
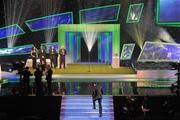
(113, 28)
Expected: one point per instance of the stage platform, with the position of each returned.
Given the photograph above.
(92, 69)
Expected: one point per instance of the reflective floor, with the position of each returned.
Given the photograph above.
(142, 83)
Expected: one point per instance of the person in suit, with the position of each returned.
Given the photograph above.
(38, 81)
(62, 53)
(97, 95)
(25, 81)
(52, 55)
(49, 73)
(42, 56)
(34, 56)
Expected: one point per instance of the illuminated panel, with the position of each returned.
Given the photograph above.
(49, 22)
(10, 31)
(19, 50)
(167, 12)
(127, 51)
(26, 49)
(134, 13)
(100, 14)
(160, 52)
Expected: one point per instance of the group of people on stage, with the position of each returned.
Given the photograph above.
(43, 55)
(25, 80)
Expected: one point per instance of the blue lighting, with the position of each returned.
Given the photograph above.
(10, 31)
(169, 10)
(100, 14)
(20, 50)
(49, 22)
(156, 51)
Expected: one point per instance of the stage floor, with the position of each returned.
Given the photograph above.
(76, 79)
(92, 69)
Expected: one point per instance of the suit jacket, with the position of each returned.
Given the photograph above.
(49, 74)
(97, 93)
(42, 54)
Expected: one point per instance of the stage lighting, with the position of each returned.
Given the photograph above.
(90, 39)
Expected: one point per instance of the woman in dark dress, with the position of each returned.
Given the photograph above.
(34, 56)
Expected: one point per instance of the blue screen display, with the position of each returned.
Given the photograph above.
(100, 14)
(10, 31)
(16, 50)
(26, 49)
(49, 22)
(160, 52)
(169, 10)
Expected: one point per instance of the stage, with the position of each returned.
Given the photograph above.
(115, 81)
(92, 69)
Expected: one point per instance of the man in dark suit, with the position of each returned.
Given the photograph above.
(49, 73)
(25, 81)
(97, 95)
(38, 80)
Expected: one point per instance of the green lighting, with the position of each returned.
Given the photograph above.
(139, 14)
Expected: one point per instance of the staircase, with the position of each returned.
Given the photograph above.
(81, 108)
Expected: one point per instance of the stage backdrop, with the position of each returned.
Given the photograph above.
(113, 29)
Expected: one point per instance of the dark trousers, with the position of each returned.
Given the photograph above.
(100, 105)
(25, 88)
(39, 91)
(147, 115)
(34, 62)
(49, 87)
(53, 62)
(62, 61)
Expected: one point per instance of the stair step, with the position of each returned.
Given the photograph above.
(86, 114)
(81, 108)
(87, 118)
(84, 110)
(85, 104)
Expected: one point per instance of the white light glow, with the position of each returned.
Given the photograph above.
(165, 36)
(50, 7)
(90, 39)
(15, 12)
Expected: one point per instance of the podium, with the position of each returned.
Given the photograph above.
(29, 62)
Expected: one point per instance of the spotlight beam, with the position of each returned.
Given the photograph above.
(49, 7)
(15, 11)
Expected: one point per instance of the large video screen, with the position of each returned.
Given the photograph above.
(100, 14)
(127, 51)
(49, 22)
(26, 49)
(158, 51)
(168, 11)
(134, 13)
(10, 31)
